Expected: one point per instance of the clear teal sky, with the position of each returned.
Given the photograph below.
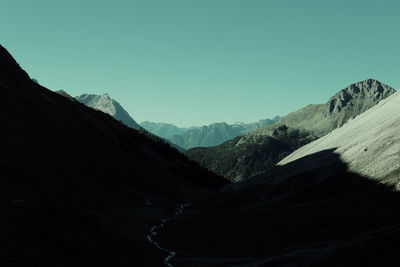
(193, 62)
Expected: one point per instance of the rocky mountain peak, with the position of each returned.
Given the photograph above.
(108, 105)
(363, 93)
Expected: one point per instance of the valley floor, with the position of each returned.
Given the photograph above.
(79, 235)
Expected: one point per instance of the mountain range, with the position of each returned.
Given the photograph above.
(80, 188)
(260, 150)
(180, 138)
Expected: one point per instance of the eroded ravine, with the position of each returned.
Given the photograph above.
(153, 232)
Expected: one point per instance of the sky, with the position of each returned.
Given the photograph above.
(195, 62)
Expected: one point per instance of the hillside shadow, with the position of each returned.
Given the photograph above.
(312, 211)
(79, 188)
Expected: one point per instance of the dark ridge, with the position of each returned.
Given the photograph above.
(10, 71)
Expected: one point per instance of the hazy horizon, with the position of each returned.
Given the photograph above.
(193, 63)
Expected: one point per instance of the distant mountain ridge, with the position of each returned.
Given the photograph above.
(213, 134)
(256, 152)
(245, 128)
(217, 133)
(109, 106)
(164, 130)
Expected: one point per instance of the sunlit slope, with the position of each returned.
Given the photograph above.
(369, 144)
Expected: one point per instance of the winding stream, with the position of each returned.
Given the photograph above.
(153, 232)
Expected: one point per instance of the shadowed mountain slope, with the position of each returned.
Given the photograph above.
(309, 212)
(229, 159)
(79, 188)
